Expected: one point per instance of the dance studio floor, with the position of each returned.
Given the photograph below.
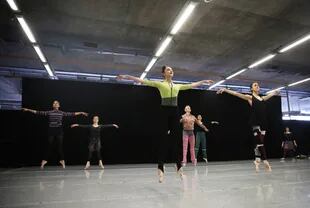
(220, 184)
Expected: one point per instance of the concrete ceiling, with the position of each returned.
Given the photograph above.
(220, 38)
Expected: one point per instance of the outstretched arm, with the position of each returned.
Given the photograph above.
(80, 125)
(80, 113)
(29, 110)
(234, 93)
(109, 125)
(128, 77)
(194, 84)
(74, 113)
(270, 95)
(42, 113)
(197, 84)
(138, 80)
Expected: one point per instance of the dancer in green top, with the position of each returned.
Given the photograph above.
(169, 109)
(168, 91)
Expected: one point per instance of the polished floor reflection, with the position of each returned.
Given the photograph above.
(219, 184)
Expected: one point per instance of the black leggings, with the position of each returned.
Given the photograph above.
(94, 145)
(59, 143)
(259, 150)
(169, 141)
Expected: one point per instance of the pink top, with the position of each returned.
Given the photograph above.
(188, 121)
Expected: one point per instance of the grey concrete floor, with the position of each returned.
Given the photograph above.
(219, 184)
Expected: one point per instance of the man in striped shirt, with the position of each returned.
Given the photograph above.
(55, 130)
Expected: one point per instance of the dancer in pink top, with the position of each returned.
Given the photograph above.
(188, 121)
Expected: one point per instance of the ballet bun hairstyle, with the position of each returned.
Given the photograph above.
(251, 87)
(163, 68)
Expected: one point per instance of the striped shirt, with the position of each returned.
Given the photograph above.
(55, 117)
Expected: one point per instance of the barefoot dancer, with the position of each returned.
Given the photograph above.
(55, 130)
(258, 120)
(94, 139)
(169, 110)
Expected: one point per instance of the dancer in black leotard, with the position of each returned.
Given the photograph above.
(94, 139)
(258, 120)
(169, 113)
(55, 130)
(289, 144)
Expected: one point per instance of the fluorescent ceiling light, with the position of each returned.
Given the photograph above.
(216, 84)
(13, 5)
(163, 46)
(183, 17)
(296, 43)
(49, 70)
(150, 65)
(262, 60)
(143, 75)
(299, 82)
(280, 88)
(26, 29)
(237, 73)
(40, 54)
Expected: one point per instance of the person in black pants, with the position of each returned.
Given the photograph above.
(169, 114)
(289, 144)
(55, 130)
(258, 120)
(94, 139)
(201, 138)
